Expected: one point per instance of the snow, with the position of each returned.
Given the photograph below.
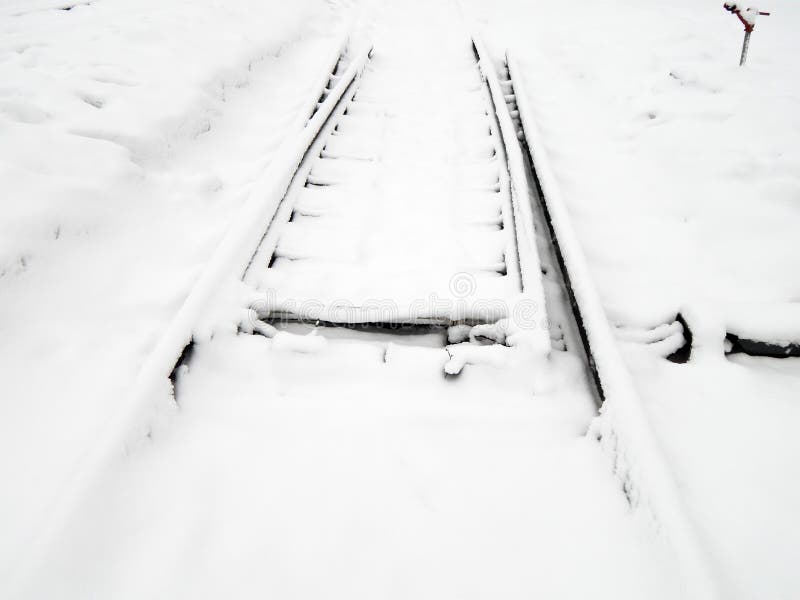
(750, 14)
(143, 145)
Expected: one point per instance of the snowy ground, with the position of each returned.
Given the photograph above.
(131, 131)
(682, 174)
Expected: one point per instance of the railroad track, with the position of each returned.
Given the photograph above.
(412, 227)
(406, 212)
(403, 211)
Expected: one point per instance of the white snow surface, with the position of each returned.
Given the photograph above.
(345, 464)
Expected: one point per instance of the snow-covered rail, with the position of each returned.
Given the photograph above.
(622, 428)
(146, 406)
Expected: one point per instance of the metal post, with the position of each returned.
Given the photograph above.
(745, 45)
(748, 19)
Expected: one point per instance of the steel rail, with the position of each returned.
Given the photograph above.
(528, 260)
(622, 427)
(143, 409)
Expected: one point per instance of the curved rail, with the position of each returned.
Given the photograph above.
(143, 409)
(622, 427)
